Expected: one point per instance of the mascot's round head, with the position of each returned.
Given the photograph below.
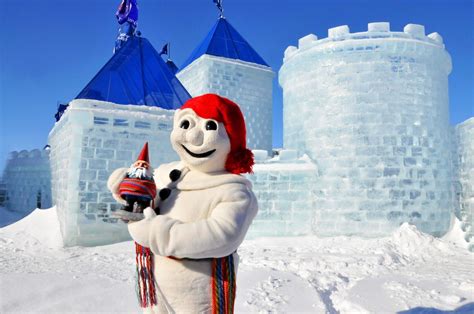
(209, 135)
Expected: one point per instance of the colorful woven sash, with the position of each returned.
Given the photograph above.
(146, 289)
(223, 285)
(223, 281)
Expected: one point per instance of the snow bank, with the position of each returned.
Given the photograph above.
(40, 229)
(407, 242)
(408, 270)
(456, 235)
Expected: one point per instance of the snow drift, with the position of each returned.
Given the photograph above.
(407, 271)
(39, 229)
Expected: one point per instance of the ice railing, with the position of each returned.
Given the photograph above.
(379, 30)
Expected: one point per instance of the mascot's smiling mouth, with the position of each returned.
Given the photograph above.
(203, 155)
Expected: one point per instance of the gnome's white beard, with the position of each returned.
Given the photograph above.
(140, 173)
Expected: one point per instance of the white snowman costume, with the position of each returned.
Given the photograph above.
(206, 208)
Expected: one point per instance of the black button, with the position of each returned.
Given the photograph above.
(164, 193)
(175, 174)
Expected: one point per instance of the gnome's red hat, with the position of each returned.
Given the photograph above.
(144, 154)
(212, 106)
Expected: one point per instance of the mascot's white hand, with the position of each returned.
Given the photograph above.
(149, 213)
(140, 230)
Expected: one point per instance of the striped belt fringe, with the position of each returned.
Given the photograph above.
(146, 290)
(223, 285)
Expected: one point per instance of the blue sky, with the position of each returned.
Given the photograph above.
(51, 49)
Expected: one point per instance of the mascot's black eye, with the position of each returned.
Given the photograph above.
(211, 125)
(184, 124)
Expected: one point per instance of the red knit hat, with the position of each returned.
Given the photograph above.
(211, 106)
(144, 154)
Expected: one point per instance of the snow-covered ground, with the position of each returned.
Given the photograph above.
(409, 271)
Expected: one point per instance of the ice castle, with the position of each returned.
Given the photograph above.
(367, 140)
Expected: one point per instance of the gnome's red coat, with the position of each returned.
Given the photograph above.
(143, 188)
(137, 187)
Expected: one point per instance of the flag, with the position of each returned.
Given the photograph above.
(127, 12)
(164, 50)
(218, 5)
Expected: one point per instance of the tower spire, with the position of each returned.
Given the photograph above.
(219, 7)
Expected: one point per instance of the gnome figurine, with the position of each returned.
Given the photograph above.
(137, 189)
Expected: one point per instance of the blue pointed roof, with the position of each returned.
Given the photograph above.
(136, 74)
(172, 66)
(224, 41)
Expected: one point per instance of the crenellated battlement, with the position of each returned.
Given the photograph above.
(378, 31)
(34, 154)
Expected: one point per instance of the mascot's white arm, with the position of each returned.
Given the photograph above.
(114, 181)
(217, 236)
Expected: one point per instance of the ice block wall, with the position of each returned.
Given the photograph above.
(92, 139)
(465, 144)
(27, 180)
(371, 109)
(247, 84)
(284, 187)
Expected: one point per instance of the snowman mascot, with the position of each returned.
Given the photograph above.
(205, 209)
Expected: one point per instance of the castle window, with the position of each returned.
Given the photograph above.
(142, 125)
(100, 120)
(120, 122)
(164, 126)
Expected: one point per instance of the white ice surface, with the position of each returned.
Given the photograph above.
(302, 274)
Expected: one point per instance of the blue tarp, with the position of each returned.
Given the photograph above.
(224, 41)
(136, 74)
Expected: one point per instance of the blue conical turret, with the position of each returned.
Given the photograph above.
(223, 40)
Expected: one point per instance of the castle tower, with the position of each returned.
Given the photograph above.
(27, 180)
(225, 64)
(371, 108)
(130, 101)
(465, 174)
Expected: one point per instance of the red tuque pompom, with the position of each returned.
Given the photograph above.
(240, 161)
